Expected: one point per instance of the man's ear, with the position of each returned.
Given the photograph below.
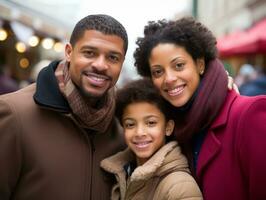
(169, 127)
(68, 51)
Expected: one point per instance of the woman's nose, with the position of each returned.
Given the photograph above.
(170, 77)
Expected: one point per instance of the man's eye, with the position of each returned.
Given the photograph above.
(114, 58)
(89, 53)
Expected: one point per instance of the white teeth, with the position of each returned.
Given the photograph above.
(176, 91)
(97, 79)
(142, 144)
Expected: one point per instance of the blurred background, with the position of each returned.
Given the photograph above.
(34, 32)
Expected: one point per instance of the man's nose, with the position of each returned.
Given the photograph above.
(100, 63)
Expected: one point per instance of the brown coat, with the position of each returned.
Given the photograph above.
(168, 162)
(44, 155)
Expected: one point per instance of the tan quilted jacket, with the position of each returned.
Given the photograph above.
(168, 162)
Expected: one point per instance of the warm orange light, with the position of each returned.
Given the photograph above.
(24, 63)
(20, 47)
(58, 47)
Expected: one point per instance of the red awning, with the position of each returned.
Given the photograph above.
(246, 42)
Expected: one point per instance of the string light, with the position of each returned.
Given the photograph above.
(3, 34)
(34, 41)
(47, 43)
(58, 47)
(24, 63)
(20, 47)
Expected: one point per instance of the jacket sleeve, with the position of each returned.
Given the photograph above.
(10, 151)
(178, 186)
(252, 147)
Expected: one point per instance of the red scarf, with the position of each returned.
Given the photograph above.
(206, 105)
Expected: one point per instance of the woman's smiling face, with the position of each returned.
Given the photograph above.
(175, 73)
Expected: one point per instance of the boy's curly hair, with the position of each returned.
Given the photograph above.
(141, 90)
(186, 32)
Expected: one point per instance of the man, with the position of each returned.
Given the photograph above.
(55, 133)
(7, 84)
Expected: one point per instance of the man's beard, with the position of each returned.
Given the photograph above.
(96, 100)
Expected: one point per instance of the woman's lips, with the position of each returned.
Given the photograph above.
(176, 91)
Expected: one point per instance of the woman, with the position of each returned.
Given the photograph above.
(222, 133)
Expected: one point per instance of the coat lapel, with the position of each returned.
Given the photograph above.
(212, 145)
(210, 148)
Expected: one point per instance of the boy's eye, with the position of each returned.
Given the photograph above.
(128, 125)
(151, 123)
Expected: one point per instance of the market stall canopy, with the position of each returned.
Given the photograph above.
(251, 41)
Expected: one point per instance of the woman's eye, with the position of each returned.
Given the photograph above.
(157, 72)
(179, 65)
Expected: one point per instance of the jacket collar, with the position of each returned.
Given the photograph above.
(212, 144)
(166, 159)
(47, 92)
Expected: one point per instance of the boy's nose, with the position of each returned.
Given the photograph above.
(140, 131)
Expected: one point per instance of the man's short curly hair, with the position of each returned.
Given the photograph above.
(197, 40)
(103, 23)
(141, 90)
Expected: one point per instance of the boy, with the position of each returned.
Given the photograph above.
(150, 168)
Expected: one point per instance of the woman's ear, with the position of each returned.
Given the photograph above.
(200, 65)
(169, 127)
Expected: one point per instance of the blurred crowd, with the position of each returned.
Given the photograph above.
(251, 80)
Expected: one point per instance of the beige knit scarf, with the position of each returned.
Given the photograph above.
(97, 119)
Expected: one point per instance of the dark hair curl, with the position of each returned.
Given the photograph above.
(141, 90)
(197, 40)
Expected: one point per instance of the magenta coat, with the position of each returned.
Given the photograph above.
(232, 159)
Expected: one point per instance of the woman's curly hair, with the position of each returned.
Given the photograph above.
(197, 40)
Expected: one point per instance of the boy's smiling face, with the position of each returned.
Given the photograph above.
(145, 128)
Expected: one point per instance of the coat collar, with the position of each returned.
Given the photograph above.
(222, 117)
(47, 92)
(212, 145)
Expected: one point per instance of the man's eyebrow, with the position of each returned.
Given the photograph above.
(117, 53)
(88, 47)
(95, 48)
